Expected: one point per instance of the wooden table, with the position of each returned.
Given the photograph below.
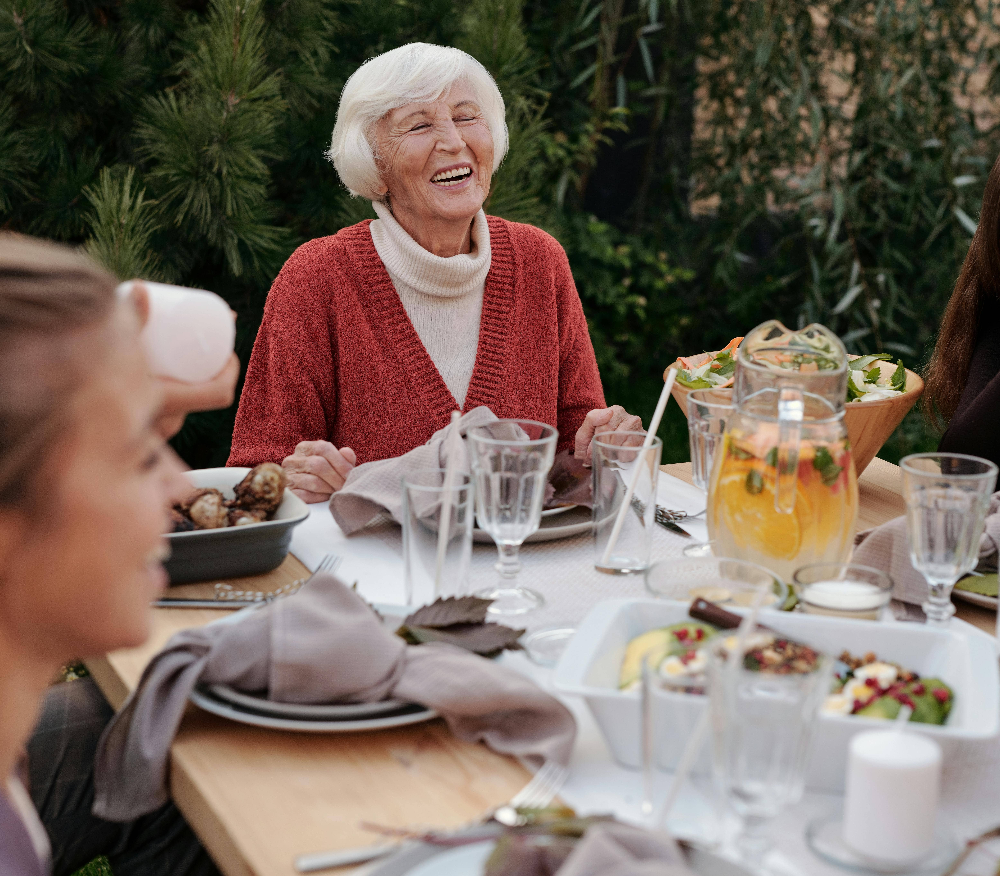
(258, 797)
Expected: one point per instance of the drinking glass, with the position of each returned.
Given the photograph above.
(724, 581)
(510, 462)
(708, 410)
(762, 725)
(842, 590)
(947, 496)
(436, 565)
(624, 471)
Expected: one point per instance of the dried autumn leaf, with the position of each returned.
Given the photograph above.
(450, 611)
(485, 639)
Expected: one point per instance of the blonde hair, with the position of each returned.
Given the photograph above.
(414, 73)
(48, 294)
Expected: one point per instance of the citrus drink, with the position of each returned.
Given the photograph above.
(743, 521)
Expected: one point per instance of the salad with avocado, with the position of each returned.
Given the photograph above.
(865, 686)
(873, 688)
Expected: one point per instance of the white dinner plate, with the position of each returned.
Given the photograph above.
(427, 860)
(576, 521)
(414, 715)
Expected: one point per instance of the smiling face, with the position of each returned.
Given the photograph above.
(82, 563)
(436, 160)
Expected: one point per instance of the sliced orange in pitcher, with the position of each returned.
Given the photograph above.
(749, 515)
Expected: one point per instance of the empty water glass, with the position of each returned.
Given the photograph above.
(511, 461)
(762, 727)
(947, 496)
(708, 410)
(625, 473)
(435, 562)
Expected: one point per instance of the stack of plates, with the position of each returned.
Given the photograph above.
(258, 711)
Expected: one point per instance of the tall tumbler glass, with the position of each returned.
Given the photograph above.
(621, 462)
(947, 496)
(762, 726)
(511, 461)
(708, 410)
(435, 562)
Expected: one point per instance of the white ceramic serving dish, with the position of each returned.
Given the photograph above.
(961, 656)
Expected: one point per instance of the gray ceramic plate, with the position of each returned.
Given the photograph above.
(407, 715)
(234, 551)
(312, 712)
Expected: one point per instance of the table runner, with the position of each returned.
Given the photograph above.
(562, 571)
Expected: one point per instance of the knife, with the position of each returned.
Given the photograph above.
(180, 602)
(667, 523)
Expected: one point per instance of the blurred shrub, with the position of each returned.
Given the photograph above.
(706, 163)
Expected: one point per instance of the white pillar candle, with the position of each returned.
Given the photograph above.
(189, 334)
(852, 598)
(891, 800)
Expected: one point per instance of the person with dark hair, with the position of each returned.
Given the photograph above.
(963, 378)
(86, 481)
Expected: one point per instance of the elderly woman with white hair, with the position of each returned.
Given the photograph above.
(373, 336)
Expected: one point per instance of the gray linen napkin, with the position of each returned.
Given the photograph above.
(615, 849)
(323, 645)
(886, 547)
(374, 487)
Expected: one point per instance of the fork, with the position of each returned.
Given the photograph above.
(225, 593)
(538, 793)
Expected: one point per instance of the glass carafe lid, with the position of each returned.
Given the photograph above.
(773, 356)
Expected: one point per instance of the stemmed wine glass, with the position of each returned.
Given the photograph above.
(947, 496)
(511, 461)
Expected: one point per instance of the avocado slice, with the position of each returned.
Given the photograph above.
(927, 709)
(881, 707)
(659, 644)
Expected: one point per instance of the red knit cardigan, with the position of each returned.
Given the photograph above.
(337, 358)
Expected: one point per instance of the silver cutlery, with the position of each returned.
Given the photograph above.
(180, 602)
(226, 597)
(537, 794)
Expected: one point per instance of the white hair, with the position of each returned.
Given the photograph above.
(414, 73)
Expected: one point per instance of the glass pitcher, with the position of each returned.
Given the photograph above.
(784, 492)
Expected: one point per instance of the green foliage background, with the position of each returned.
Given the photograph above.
(706, 163)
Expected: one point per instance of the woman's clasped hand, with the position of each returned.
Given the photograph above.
(317, 469)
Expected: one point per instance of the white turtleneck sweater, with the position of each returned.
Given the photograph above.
(442, 296)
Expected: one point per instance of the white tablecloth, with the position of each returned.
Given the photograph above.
(563, 572)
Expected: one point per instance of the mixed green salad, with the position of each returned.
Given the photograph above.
(866, 381)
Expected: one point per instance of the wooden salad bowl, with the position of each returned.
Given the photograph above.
(869, 424)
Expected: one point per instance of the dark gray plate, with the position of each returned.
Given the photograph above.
(310, 711)
(234, 551)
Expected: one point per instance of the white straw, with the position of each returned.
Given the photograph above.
(444, 523)
(654, 425)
